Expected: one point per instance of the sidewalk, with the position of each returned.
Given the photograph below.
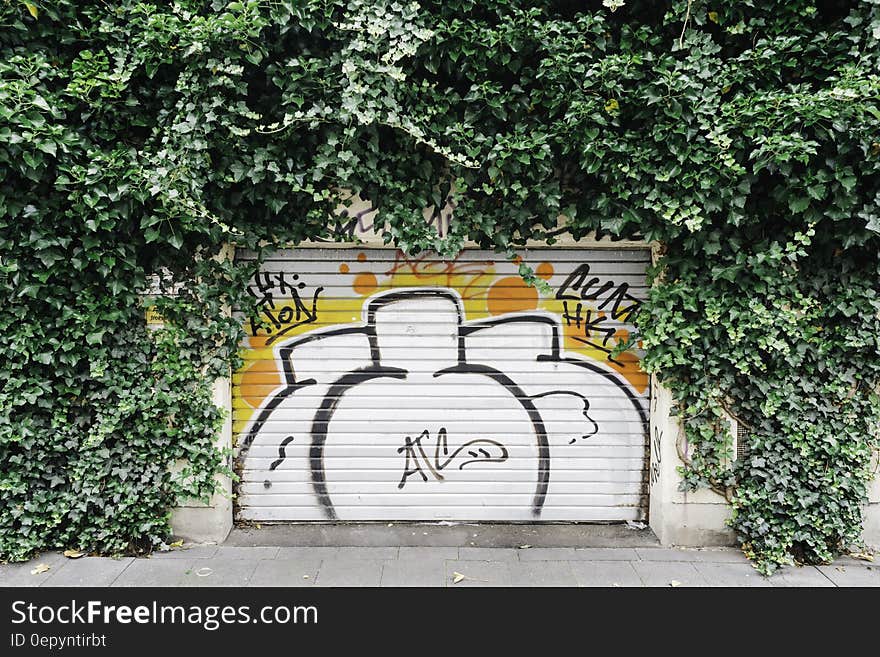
(229, 565)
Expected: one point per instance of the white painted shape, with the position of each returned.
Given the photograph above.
(600, 458)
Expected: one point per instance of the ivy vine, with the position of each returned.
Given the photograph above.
(138, 140)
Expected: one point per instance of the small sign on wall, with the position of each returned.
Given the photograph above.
(154, 317)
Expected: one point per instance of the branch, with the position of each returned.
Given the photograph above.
(687, 18)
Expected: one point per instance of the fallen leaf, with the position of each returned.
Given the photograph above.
(635, 525)
(457, 577)
(73, 554)
(258, 526)
(41, 568)
(840, 569)
(674, 583)
(864, 556)
(305, 576)
(204, 572)
(616, 585)
(176, 544)
(525, 547)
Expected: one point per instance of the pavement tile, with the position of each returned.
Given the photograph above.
(428, 553)
(478, 573)
(852, 575)
(19, 574)
(799, 576)
(720, 555)
(194, 552)
(156, 572)
(375, 553)
(88, 571)
(349, 571)
(541, 573)
(605, 573)
(228, 571)
(732, 574)
(286, 572)
(664, 573)
(605, 554)
(488, 554)
(232, 552)
(546, 554)
(414, 572)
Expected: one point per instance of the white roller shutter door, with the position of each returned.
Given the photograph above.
(382, 387)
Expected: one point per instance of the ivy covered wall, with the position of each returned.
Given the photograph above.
(137, 138)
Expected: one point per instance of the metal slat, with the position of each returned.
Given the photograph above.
(523, 429)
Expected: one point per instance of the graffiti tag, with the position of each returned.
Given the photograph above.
(417, 460)
(281, 318)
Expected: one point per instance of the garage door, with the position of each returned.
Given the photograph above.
(378, 386)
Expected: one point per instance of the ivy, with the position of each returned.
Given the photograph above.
(138, 140)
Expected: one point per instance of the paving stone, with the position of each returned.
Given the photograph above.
(428, 553)
(605, 573)
(232, 552)
(156, 572)
(194, 552)
(229, 571)
(350, 571)
(488, 554)
(606, 554)
(546, 554)
(478, 573)
(88, 571)
(286, 572)
(414, 572)
(846, 560)
(732, 574)
(375, 553)
(664, 573)
(541, 573)
(19, 574)
(799, 576)
(705, 555)
(852, 575)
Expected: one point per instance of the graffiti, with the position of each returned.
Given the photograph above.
(360, 221)
(477, 450)
(349, 392)
(279, 319)
(656, 456)
(611, 303)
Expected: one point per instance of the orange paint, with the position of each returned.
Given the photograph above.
(257, 380)
(365, 283)
(511, 295)
(343, 268)
(362, 257)
(545, 270)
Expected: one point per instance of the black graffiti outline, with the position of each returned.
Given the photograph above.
(585, 412)
(436, 466)
(342, 385)
(555, 356)
(376, 370)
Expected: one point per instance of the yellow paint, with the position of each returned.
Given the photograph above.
(511, 295)
(484, 294)
(545, 271)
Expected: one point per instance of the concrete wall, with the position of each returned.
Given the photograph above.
(210, 523)
(698, 519)
(679, 518)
